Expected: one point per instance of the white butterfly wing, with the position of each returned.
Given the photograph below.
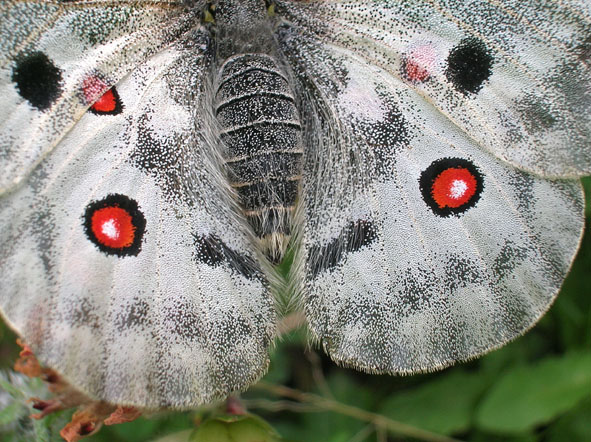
(51, 52)
(419, 248)
(516, 76)
(180, 313)
(396, 274)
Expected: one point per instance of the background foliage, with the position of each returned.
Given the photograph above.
(538, 388)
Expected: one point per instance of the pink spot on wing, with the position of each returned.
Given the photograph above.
(417, 64)
(93, 88)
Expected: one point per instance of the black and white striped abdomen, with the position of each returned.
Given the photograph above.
(260, 127)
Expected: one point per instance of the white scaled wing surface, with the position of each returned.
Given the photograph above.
(49, 53)
(125, 265)
(157, 155)
(421, 246)
(514, 75)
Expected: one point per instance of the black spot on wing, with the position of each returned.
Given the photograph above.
(412, 290)
(224, 336)
(353, 237)
(43, 225)
(522, 185)
(213, 251)
(37, 79)
(469, 65)
(460, 272)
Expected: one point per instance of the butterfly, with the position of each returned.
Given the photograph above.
(417, 160)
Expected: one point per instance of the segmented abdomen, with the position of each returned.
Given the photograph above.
(260, 127)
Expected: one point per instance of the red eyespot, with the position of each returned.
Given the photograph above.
(418, 63)
(115, 225)
(103, 102)
(112, 227)
(106, 104)
(451, 186)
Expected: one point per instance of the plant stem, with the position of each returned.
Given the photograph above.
(378, 420)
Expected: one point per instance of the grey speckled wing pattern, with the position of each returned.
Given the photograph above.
(125, 262)
(420, 157)
(419, 247)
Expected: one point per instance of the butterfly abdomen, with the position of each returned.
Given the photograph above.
(261, 130)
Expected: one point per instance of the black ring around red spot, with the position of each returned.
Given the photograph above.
(450, 186)
(115, 225)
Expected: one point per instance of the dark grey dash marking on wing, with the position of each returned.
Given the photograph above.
(353, 237)
(212, 251)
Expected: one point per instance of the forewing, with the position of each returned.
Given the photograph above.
(400, 275)
(177, 317)
(514, 75)
(57, 58)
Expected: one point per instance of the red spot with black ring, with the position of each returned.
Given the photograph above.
(115, 225)
(450, 186)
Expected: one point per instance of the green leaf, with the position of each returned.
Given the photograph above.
(248, 428)
(573, 426)
(443, 405)
(476, 436)
(11, 389)
(179, 436)
(346, 390)
(586, 181)
(136, 431)
(48, 428)
(530, 395)
(11, 413)
(279, 367)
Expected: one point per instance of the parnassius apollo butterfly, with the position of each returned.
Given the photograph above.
(157, 156)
